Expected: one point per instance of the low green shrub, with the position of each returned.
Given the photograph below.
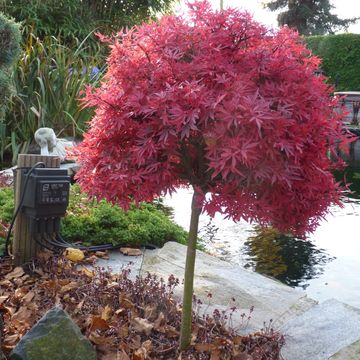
(94, 222)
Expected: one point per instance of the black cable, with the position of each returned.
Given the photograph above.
(56, 242)
(7, 241)
(45, 244)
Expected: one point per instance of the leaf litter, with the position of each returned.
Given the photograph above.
(124, 319)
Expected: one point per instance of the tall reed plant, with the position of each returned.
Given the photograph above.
(49, 80)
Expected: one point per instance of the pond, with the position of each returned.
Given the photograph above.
(326, 265)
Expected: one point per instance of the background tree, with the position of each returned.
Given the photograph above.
(216, 102)
(309, 17)
(77, 18)
(10, 49)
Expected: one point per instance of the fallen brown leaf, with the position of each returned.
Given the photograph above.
(98, 323)
(6, 284)
(125, 302)
(74, 255)
(122, 355)
(204, 347)
(98, 339)
(3, 299)
(28, 297)
(87, 272)
(215, 355)
(159, 321)
(72, 285)
(106, 313)
(17, 272)
(11, 340)
(123, 331)
(22, 315)
(150, 312)
(102, 254)
(147, 345)
(140, 354)
(130, 251)
(142, 326)
(121, 312)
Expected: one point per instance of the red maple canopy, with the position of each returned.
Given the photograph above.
(217, 101)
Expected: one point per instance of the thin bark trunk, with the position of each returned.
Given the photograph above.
(186, 318)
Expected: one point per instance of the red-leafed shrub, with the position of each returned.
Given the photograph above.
(216, 101)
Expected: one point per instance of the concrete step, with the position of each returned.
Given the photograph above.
(324, 330)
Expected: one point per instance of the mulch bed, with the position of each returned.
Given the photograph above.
(123, 318)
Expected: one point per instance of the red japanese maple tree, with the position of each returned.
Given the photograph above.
(218, 102)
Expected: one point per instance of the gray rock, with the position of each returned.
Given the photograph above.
(351, 352)
(54, 337)
(321, 332)
(270, 298)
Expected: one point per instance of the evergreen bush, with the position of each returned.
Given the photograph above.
(340, 56)
(10, 49)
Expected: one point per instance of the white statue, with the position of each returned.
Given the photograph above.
(50, 144)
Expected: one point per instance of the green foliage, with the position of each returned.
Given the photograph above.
(312, 17)
(76, 18)
(101, 222)
(9, 50)
(9, 41)
(340, 56)
(6, 212)
(95, 223)
(6, 204)
(49, 79)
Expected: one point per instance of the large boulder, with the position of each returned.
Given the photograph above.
(54, 337)
(271, 299)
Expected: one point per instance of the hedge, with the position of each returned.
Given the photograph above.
(340, 56)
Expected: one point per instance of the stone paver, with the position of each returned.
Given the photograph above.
(321, 331)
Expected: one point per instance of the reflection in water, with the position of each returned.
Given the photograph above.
(333, 272)
(352, 172)
(292, 261)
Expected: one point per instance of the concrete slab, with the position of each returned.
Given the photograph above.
(351, 352)
(118, 261)
(270, 298)
(321, 331)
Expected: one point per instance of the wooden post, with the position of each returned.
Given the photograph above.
(25, 247)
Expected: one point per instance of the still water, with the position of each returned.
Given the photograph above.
(327, 265)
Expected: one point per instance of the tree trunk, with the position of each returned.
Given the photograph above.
(186, 318)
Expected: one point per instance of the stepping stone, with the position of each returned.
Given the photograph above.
(321, 332)
(351, 352)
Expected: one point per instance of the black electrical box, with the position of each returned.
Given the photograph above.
(46, 192)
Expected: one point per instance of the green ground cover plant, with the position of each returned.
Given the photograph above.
(93, 223)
